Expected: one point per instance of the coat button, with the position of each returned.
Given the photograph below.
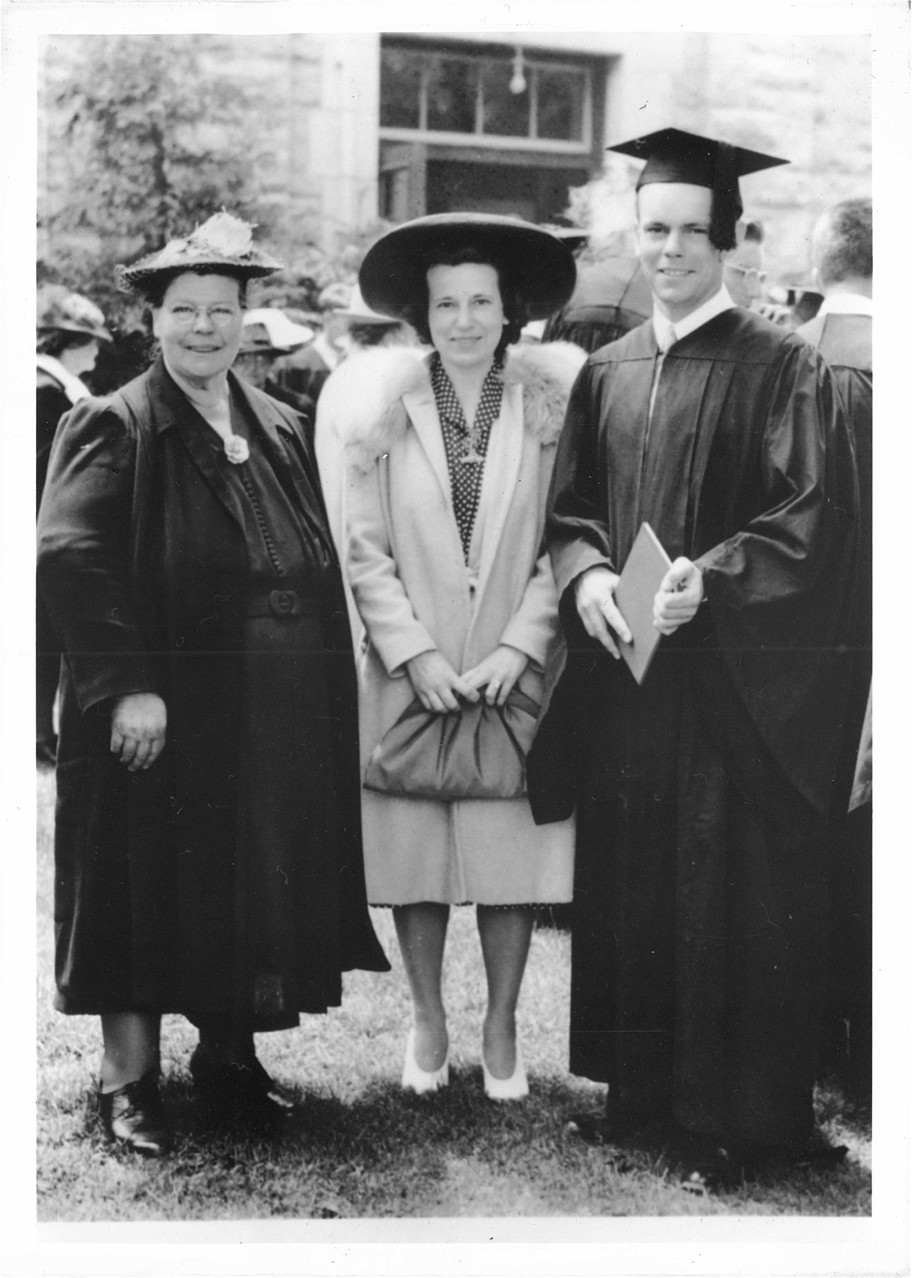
(283, 602)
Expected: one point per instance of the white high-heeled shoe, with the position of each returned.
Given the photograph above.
(416, 1079)
(506, 1089)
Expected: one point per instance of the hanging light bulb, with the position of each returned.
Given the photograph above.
(518, 81)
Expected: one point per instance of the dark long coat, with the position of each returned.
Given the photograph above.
(703, 795)
(143, 563)
(51, 404)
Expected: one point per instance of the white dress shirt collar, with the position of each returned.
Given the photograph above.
(847, 304)
(662, 325)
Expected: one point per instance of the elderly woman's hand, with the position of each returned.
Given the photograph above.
(138, 723)
(437, 685)
(498, 673)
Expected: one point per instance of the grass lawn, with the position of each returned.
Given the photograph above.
(361, 1148)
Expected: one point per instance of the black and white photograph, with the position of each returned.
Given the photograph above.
(449, 632)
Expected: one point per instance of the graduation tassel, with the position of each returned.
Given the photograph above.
(726, 204)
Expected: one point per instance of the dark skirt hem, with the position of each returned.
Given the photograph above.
(489, 905)
(258, 1024)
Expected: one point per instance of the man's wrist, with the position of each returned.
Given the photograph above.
(577, 581)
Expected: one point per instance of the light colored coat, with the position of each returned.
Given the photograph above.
(415, 593)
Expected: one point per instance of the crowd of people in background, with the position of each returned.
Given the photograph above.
(414, 508)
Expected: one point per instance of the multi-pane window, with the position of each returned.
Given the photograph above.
(492, 95)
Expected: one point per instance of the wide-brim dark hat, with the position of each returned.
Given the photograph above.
(393, 273)
(222, 244)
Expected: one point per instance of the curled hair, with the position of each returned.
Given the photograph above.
(153, 289)
(844, 248)
(56, 340)
(511, 296)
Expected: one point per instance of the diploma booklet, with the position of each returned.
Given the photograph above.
(646, 565)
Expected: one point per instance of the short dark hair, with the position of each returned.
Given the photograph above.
(846, 248)
(511, 296)
(153, 289)
(55, 341)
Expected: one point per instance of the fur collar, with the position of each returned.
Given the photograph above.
(366, 393)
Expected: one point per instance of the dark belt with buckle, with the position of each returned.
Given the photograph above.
(285, 603)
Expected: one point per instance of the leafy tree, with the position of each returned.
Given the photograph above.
(157, 140)
(147, 137)
(145, 141)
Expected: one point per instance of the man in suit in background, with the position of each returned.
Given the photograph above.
(843, 260)
(304, 371)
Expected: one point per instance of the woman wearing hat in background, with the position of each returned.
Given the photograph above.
(268, 335)
(366, 328)
(207, 842)
(69, 330)
(449, 461)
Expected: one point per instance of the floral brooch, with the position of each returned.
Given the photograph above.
(236, 449)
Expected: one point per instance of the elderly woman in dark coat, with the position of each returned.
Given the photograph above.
(208, 841)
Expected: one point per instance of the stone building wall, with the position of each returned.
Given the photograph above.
(286, 77)
(315, 131)
(806, 100)
(317, 127)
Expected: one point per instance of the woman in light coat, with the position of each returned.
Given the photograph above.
(445, 523)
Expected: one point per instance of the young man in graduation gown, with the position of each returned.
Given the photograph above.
(703, 796)
(842, 252)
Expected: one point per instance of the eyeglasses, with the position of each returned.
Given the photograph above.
(747, 272)
(184, 315)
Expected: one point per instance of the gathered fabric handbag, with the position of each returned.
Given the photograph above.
(478, 752)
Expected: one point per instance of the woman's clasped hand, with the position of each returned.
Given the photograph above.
(439, 688)
(437, 685)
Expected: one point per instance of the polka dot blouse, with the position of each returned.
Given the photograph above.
(466, 449)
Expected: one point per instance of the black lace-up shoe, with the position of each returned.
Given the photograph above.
(238, 1095)
(132, 1116)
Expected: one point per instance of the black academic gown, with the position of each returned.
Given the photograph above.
(703, 796)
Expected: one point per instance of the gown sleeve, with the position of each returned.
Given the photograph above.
(780, 591)
(811, 497)
(576, 528)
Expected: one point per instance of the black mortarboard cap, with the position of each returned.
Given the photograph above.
(673, 155)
